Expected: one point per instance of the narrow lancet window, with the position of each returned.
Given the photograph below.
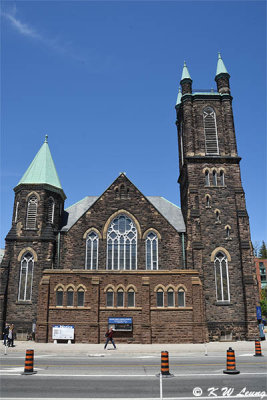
(207, 178)
(151, 251)
(221, 277)
(31, 213)
(214, 178)
(51, 210)
(91, 261)
(26, 277)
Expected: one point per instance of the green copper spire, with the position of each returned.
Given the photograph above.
(185, 74)
(179, 97)
(220, 66)
(42, 169)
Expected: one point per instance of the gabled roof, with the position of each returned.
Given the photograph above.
(42, 169)
(170, 211)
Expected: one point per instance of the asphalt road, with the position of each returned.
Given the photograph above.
(113, 376)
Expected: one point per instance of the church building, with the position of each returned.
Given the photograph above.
(153, 271)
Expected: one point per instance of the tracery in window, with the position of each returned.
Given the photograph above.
(51, 210)
(210, 129)
(160, 298)
(151, 251)
(31, 213)
(181, 298)
(122, 244)
(221, 277)
(91, 258)
(26, 277)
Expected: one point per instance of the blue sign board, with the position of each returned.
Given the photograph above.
(120, 320)
(258, 308)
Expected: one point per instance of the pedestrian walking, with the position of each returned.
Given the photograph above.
(5, 333)
(11, 336)
(109, 336)
(261, 329)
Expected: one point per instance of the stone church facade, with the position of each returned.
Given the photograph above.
(153, 271)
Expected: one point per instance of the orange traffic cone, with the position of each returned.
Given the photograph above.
(28, 369)
(230, 364)
(258, 349)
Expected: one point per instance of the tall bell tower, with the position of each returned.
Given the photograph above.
(214, 208)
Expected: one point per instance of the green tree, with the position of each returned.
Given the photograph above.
(263, 302)
(263, 250)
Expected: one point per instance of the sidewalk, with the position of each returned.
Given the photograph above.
(133, 349)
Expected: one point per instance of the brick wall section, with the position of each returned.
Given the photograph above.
(150, 324)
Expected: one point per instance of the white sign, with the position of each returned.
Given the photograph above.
(63, 332)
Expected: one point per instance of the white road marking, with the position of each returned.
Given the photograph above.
(44, 375)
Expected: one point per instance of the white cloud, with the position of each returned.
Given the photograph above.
(24, 29)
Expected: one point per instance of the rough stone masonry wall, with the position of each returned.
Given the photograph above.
(73, 244)
(150, 323)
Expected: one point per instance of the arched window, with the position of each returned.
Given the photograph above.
(110, 298)
(210, 128)
(181, 298)
(170, 298)
(131, 298)
(221, 178)
(26, 277)
(228, 231)
(59, 297)
(221, 277)
(51, 210)
(80, 297)
(91, 258)
(214, 178)
(122, 244)
(160, 298)
(70, 297)
(207, 201)
(31, 213)
(218, 218)
(151, 251)
(207, 178)
(120, 298)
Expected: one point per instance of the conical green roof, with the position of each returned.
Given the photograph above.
(221, 69)
(179, 97)
(185, 74)
(42, 169)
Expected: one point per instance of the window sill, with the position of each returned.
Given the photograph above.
(30, 229)
(69, 308)
(120, 308)
(25, 302)
(171, 308)
(228, 238)
(217, 222)
(223, 303)
(208, 206)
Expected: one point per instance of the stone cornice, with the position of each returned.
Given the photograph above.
(122, 272)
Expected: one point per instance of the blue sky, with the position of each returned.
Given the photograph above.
(101, 79)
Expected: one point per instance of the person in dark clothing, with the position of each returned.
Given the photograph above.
(109, 336)
(5, 333)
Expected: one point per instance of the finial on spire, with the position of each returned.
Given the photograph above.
(46, 139)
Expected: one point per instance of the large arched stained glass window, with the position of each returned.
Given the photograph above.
(26, 276)
(91, 259)
(221, 277)
(122, 244)
(210, 128)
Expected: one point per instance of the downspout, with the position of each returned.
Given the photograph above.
(58, 250)
(183, 250)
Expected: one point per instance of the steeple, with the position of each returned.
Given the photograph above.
(186, 81)
(42, 170)
(222, 77)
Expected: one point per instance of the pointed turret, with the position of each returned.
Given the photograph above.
(42, 171)
(186, 81)
(222, 76)
(179, 97)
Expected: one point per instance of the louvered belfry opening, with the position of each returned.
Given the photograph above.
(210, 128)
(51, 207)
(31, 213)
